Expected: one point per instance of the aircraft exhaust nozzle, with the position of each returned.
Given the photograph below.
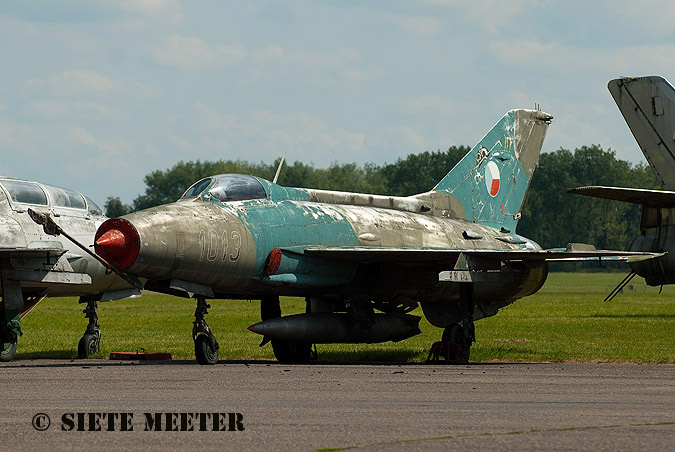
(331, 328)
(117, 241)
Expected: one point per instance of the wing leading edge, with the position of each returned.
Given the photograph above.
(364, 254)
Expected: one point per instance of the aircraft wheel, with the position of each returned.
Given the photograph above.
(288, 352)
(204, 350)
(455, 335)
(88, 345)
(8, 351)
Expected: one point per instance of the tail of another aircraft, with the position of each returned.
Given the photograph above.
(491, 180)
(648, 106)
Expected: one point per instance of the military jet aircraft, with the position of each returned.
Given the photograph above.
(34, 265)
(453, 250)
(648, 106)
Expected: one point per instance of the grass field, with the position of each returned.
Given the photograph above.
(566, 320)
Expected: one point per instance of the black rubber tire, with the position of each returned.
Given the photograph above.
(288, 352)
(204, 351)
(455, 334)
(9, 352)
(87, 346)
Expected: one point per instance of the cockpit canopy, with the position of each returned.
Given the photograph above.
(27, 192)
(228, 187)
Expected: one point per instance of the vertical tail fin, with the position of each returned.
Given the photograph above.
(648, 106)
(491, 180)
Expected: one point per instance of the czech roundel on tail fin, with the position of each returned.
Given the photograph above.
(491, 180)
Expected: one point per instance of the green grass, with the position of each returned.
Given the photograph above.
(566, 321)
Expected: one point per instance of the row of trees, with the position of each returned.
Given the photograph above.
(551, 216)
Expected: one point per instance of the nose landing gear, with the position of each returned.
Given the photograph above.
(206, 345)
(90, 343)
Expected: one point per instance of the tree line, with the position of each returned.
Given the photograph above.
(550, 216)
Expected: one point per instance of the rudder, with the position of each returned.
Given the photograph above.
(648, 106)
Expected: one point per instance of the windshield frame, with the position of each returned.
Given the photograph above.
(227, 188)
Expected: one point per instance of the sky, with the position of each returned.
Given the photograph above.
(96, 94)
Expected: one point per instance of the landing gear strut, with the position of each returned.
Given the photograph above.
(288, 352)
(10, 314)
(90, 343)
(206, 345)
(455, 344)
(9, 328)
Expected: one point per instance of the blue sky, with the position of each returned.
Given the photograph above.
(96, 94)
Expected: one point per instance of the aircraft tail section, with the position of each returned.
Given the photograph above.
(491, 180)
(648, 106)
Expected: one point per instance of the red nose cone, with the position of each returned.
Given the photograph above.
(112, 241)
(118, 242)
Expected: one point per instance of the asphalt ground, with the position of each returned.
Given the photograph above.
(370, 407)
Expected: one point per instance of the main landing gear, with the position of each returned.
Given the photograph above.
(206, 345)
(11, 304)
(90, 343)
(9, 330)
(455, 344)
(289, 352)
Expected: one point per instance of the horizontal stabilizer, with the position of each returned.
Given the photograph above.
(654, 198)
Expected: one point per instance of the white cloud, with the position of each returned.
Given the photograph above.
(194, 53)
(429, 104)
(109, 147)
(13, 133)
(305, 136)
(86, 84)
(93, 11)
(410, 140)
(654, 18)
(160, 9)
(326, 60)
(269, 53)
(71, 84)
(60, 109)
(554, 56)
(489, 15)
(425, 26)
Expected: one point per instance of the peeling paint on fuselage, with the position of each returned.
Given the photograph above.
(207, 228)
(460, 213)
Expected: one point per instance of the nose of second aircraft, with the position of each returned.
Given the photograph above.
(117, 241)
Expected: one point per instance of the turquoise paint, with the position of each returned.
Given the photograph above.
(276, 193)
(286, 219)
(467, 180)
(286, 224)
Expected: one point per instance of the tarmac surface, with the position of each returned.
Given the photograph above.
(369, 407)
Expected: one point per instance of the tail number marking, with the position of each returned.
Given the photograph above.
(211, 243)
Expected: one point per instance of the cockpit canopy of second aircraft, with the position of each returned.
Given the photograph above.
(227, 187)
(28, 192)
